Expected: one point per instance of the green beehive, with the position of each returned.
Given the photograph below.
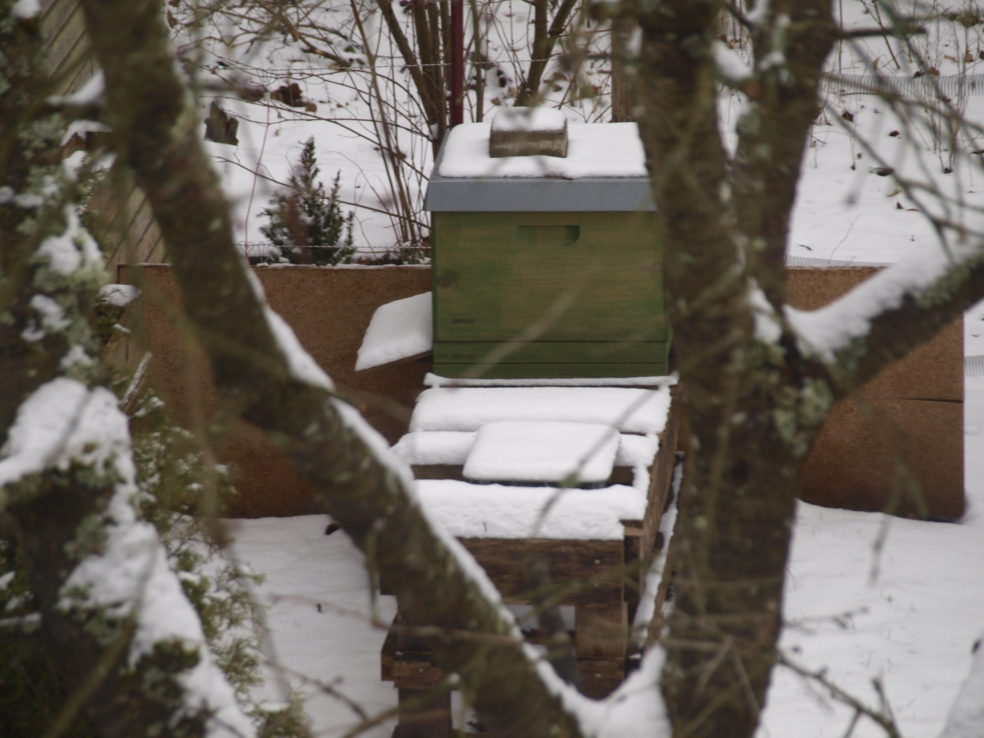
(546, 266)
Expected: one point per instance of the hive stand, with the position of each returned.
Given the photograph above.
(601, 577)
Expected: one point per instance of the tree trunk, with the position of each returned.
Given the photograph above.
(737, 503)
(260, 377)
(66, 475)
(624, 69)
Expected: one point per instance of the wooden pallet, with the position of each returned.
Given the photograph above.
(601, 579)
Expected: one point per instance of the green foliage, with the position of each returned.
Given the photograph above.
(175, 482)
(174, 479)
(307, 225)
(29, 688)
(286, 722)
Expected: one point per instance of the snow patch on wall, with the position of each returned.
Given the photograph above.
(398, 330)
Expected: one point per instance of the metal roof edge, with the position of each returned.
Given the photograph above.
(521, 194)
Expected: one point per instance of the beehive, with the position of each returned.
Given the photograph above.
(546, 266)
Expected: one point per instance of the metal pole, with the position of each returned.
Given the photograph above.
(457, 62)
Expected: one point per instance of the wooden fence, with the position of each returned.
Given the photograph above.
(122, 220)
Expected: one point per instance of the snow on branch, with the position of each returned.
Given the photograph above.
(62, 422)
(729, 64)
(129, 577)
(967, 713)
(929, 280)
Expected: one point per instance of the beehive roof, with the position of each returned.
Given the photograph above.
(604, 170)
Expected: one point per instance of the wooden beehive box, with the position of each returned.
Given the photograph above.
(546, 266)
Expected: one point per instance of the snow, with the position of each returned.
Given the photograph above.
(119, 295)
(730, 65)
(64, 422)
(538, 451)
(758, 13)
(435, 447)
(453, 447)
(654, 577)
(90, 93)
(829, 330)
(469, 408)
(81, 128)
(61, 422)
(129, 574)
(500, 511)
(73, 249)
(907, 614)
(593, 150)
(529, 119)
(398, 330)
(967, 715)
(767, 325)
(637, 703)
(52, 318)
(76, 356)
(25, 9)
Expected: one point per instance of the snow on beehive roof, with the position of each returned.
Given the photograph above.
(594, 150)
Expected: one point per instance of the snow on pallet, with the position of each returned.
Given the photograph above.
(510, 512)
(572, 454)
(574, 479)
(451, 448)
(628, 409)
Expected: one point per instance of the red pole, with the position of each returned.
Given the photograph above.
(457, 62)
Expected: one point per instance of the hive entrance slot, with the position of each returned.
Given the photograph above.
(547, 235)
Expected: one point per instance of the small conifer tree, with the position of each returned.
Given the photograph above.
(307, 224)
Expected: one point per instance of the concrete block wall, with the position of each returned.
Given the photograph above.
(897, 445)
(329, 310)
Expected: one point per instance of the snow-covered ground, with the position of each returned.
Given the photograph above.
(868, 597)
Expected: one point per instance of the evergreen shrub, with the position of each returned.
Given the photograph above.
(307, 225)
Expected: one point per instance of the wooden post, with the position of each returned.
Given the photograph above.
(457, 62)
(601, 630)
(623, 76)
(424, 713)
